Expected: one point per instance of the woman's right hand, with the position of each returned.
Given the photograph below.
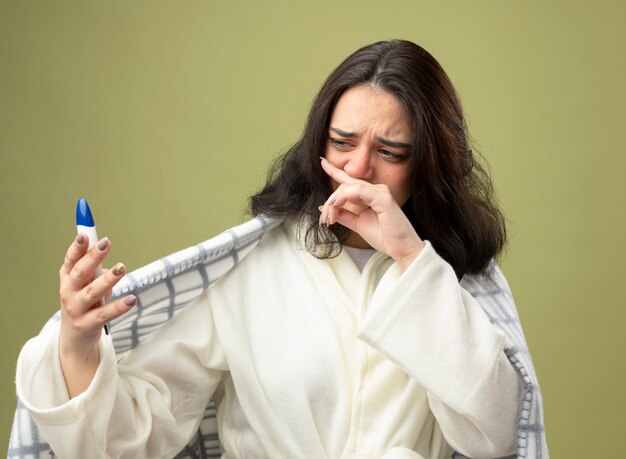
(82, 313)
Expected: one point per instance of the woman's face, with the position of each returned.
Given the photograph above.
(370, 139)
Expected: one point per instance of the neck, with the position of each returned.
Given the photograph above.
(355, 240)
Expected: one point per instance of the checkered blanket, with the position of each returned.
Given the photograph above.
(169, 284)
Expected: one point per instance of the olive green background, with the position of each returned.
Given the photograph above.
(165, 116)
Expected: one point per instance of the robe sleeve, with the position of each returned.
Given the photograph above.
(427, 324)
(148, 404)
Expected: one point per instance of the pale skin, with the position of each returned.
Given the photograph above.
(82, 316)
(366, 159)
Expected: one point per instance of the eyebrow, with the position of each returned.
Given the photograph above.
(389, 143)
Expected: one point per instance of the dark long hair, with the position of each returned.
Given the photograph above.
(451, 203)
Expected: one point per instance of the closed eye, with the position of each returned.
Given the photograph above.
(339, 143)
(391, 156)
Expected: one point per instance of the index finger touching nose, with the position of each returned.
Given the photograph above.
(335, 173)
(74, 253)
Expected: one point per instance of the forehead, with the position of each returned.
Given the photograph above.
(368, 110)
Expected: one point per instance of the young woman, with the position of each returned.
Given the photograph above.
(345, 333)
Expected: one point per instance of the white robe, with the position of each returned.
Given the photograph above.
(310, 358)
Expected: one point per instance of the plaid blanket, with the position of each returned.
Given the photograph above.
(165, 286)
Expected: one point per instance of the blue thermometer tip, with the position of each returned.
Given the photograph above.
(83, 213)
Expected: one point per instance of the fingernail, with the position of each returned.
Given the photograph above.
(332, 201)
(323, 159)
(103, 243)
(130, 300)
(80, 239)
(118, 269)
(328, 221)
(320, 208)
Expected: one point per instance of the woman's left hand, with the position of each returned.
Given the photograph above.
(371, 212)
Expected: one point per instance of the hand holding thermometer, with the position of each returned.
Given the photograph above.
(85, 225)
(83, 313)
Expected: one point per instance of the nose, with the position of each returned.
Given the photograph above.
(359, 164)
